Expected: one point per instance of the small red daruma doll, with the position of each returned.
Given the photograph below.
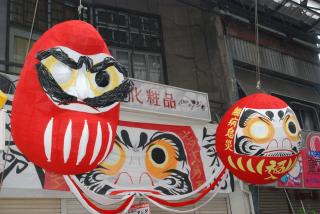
(258, 139)
(66, 107)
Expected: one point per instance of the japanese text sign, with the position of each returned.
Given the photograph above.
(164, 99)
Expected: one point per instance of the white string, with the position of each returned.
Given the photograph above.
(32, 26)
(83, 202)
(200, 188)
(101, 199)
(214, 193)
(285, 191)
(304, 210)
(80, 9)
(258, 86)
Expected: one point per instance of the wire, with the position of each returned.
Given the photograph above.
(80, 9)
(288, 198)
(258, 86)
(32, 26)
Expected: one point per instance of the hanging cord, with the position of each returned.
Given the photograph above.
(303, 208)
(256, 24)
(81, 8)
(289, 201)
(32, 26)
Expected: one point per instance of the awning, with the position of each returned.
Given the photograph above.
(270, 84)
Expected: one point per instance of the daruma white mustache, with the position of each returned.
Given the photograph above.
(83, 143)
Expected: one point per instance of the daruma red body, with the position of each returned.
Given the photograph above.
(57, 119)
(258, 139)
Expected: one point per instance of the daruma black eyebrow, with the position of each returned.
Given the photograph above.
(57, 94)
(60, 55)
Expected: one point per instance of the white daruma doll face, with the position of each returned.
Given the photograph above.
(258, 139)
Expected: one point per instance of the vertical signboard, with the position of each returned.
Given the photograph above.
(311, 160)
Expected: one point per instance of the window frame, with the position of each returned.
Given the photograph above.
(24, 24)
(91, 18)
(297, 104)
(128, 13)
(114, 51)
(13, 32)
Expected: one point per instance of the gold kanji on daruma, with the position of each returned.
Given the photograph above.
(270, 170)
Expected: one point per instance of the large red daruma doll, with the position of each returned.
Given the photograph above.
(258, 139)
(66, 106)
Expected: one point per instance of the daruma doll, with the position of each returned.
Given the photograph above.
(258, 139)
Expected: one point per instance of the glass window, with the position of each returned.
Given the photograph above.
(21, 14)
(307, 121)
(128, 29)
(154, 68)
(134, 39)
(63, 10)
(20, 49)
(19, 53)
(140, 66)
(145, 66)
(124, 59)
(49, 13)
(307, 116)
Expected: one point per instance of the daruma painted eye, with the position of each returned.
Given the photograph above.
(291, 127)
(161, 157)
(114, 162)
(63, 75)
(259, 130)
(104, 80)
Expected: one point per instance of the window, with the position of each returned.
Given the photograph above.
(49, 13)
(140, 65)
(307, 116)
(134, 40)
(20, 49)
(21, 14)
(307, 113)
(18, 46)
(128, 29)
(61, 11)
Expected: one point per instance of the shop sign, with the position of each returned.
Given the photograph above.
(164, 99)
